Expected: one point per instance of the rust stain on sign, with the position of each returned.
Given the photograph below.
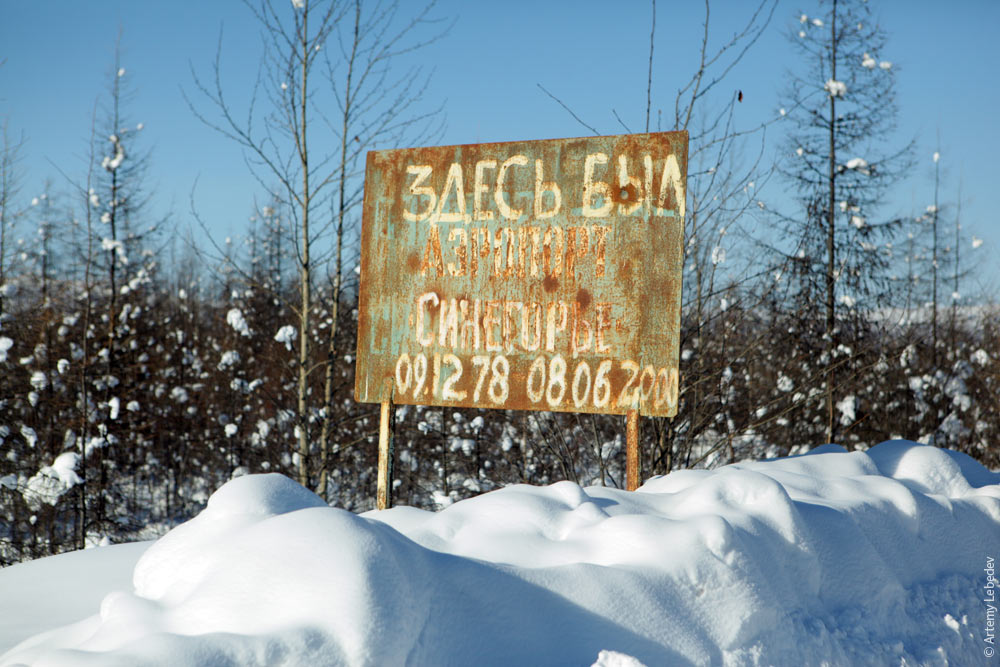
(534, 275)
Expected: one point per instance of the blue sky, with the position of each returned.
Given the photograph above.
(593, 55)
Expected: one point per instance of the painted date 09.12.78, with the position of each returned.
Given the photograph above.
(550, 382)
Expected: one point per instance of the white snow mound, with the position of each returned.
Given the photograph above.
(856, 558)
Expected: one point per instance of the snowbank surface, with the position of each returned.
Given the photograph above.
(48, 592)
(852, 558)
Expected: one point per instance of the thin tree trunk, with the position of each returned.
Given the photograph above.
(934, 269)
(88, 312)
(305, 268)
(831, 255)
(955, 293)
(331, 353)
(6, 186)
(110, 361)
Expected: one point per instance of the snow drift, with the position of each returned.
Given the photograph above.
(870, 557)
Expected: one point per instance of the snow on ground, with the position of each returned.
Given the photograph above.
(61, 589)
(873, 557)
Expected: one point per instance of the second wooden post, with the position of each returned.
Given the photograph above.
(632, 450)
(383, 497)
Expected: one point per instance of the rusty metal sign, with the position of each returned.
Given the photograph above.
(534, 275)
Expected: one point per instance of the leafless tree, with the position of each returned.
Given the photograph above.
(843, 111)
(315, 52)
(9, 212)
(723, 196)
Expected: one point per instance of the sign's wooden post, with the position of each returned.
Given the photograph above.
(632, 450)
(383, 499)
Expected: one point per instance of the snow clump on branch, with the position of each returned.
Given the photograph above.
(51, 482)
(111, 163)
(718, 255)
(858, 164)
(235, 319)
(286, 335)
(835, 88)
